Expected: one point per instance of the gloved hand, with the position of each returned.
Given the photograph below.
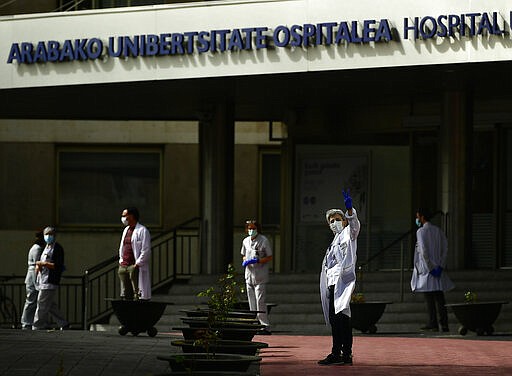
(254, 260)
(436, 272)
(348, 199)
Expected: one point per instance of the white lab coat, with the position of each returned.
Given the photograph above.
(141, 245)
(344, 249)
(431, 251)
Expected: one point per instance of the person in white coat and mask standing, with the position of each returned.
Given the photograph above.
(337, 281)
(428, 275)
(134, 254)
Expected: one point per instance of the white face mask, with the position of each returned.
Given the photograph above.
(336, 226)
(124, 221)
(252, 232)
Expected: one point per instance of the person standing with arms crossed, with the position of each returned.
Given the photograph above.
(49, 271)
(256, 253)
(428, 275)
(337, 281)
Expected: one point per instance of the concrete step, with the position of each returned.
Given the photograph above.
(299, 310)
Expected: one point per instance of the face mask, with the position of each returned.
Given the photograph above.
(336, 226)
(124, 221)
(49, 239)
(418, 222)
(252, 232)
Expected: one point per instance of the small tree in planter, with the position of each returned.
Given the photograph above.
(475, 315)
(221, 299)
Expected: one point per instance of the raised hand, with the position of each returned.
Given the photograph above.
(348, 199)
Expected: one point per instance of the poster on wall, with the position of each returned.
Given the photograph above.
(322, 180)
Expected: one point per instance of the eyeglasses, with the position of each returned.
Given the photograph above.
(250, 222)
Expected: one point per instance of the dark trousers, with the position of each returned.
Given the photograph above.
(436, 303)
(341, 329)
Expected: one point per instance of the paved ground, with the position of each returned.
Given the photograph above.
(81, 353)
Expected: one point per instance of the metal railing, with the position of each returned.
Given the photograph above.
(172, 255)
(83, 299)
(405, 243)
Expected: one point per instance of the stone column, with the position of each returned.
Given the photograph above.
(456, 172)
(216, 144)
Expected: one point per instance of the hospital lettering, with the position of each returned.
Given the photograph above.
(306, 35)
(53, 51)
(469, 24)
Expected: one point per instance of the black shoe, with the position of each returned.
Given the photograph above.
(347, 359)
(429, 328)
(331, 360)
(65, 327)
(264, 331)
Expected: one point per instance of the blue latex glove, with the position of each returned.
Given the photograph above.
(348, 199)
(254, 260)
(436, 272)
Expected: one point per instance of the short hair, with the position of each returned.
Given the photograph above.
(332, 212)
(253, 222)
(425, 213)
(133, 211)
(48, 230)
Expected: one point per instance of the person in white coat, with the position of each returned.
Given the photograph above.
(337, 281)
(428, 275)
(134, 255)
(29, 309)
(256, 253)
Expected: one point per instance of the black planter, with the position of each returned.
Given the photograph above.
(203, 312)
(138, 316)
(221, 346)
(477, 316)
(366, 315)
(209, 362)
(202, 322)
(239, 334)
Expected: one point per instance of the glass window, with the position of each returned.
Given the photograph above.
(94, 186)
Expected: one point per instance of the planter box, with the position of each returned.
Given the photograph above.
(138, 316)
(477, 316)
(245, 334)
(203, 312)
(202, 322)
(221, 346)
(366, 315)
(209, 362)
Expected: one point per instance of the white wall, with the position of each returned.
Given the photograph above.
(214, 15)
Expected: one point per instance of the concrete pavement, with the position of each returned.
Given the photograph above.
(82, 353)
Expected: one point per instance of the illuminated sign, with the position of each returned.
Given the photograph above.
(255, 38)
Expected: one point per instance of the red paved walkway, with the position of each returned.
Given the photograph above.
(379, 355)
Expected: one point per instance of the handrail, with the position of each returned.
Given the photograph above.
(109, 260)
(400, 240)
(168, 249)
(394, 242)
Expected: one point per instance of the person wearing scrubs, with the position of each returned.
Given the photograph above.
(337, 281)
(29, 309)
(256, 253)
